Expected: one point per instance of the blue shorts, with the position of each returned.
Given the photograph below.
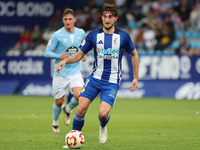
(93, 86)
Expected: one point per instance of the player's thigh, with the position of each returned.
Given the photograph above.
(76, 84)
(84, 103)
(90, 89)
(76, 91)
(104, 109)
(59, 102)
(59, 86)
(109, 93)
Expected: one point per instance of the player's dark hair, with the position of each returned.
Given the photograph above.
(109, 7)
(69, 11)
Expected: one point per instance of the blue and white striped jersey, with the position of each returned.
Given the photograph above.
(108, 51)
(62, 41)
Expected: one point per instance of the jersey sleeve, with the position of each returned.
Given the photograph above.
(129, 47)
(86, 44)
(51, 46)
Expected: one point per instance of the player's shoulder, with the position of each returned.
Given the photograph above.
(121, 32)
(58, 33)
(79, 30)
(95, 32)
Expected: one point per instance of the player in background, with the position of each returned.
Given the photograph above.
(108, 43)
(65, 42)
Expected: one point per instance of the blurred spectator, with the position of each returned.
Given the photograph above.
(159, 36)
(56, 20)
(145, 7)
(138, 38)
(46, 35)
(193, 18)
(81, 17)
(185, 15)
(149, 37)
(176, 19)
(91, 7)
(184, 47)
(96, 23)
(24, 42)
(36, 36)
(120, 3)
(168, 34)
(99, 3)
(121, 21)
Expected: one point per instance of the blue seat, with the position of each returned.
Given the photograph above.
(132, 25)
(150, 52)
(142, 52)
(158, 52)
(188, 34)
(178, 34)
(195, 34)
(175, 44)
(198, 44)
(165, 52)
(193, 44)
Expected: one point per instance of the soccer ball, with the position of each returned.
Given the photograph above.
(74, 139)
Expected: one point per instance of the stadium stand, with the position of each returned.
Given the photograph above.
(133, 16)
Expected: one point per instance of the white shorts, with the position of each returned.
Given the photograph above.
(61, 85)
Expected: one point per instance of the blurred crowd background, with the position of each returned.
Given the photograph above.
(155, 26)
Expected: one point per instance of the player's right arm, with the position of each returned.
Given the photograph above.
(51, 46)
(74, 58)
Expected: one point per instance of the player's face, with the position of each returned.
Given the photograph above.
(108, 20)
(69, 21)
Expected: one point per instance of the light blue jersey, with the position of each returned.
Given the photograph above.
(62, 41)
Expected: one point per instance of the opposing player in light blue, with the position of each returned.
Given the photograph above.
(63, 44)
(108, 43)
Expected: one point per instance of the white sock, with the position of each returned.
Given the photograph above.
(55, 123)
(67, 109)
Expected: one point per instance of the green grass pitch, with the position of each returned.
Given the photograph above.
(135, 124)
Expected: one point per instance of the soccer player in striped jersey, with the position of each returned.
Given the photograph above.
(65, 42)
(108, 44)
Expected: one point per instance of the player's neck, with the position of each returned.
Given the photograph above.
(109, 31)
(71, 30)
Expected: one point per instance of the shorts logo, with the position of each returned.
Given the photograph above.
(115, 40)
(83, 90)
(55, 88)
(112, 93)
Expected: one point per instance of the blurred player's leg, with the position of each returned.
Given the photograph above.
(75, 85)
(67, 109)
(57, 107)
(69, 97)
(56, 113)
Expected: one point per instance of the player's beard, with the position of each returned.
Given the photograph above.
(108, 28)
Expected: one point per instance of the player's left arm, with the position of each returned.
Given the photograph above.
(135, 62)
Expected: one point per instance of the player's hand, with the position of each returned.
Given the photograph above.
(64, 55)
(60, 66)
(84, 58)
(134, 85)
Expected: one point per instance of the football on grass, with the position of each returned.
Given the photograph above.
(74, 139)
